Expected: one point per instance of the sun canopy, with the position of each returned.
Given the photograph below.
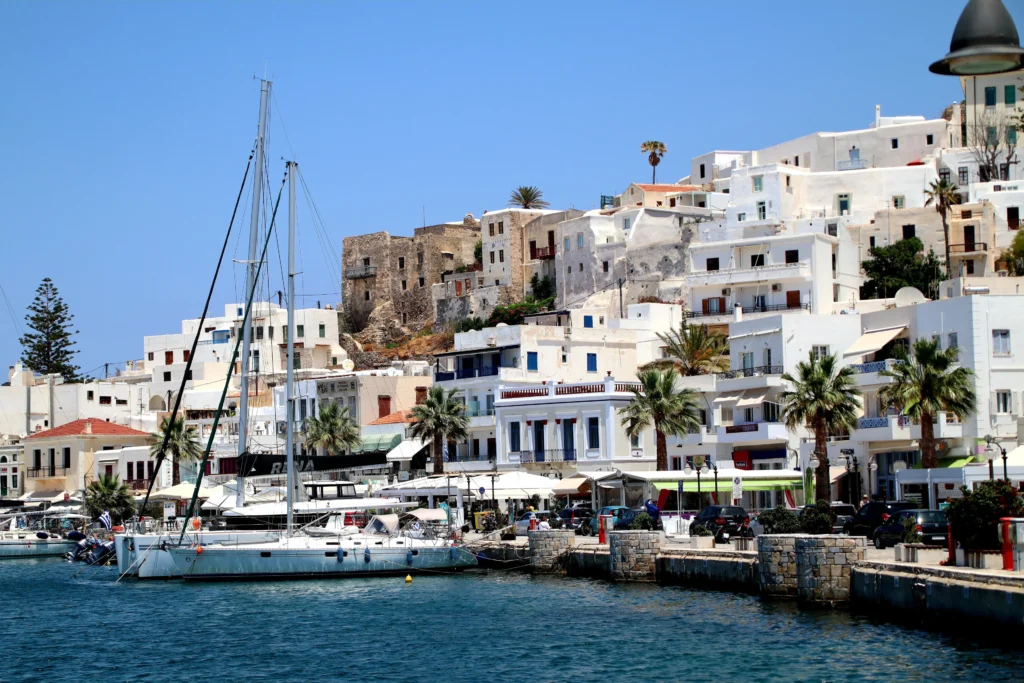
(836, 473)
(405, 451)
(755, 334)
(870, 342)
(571, 486)
(429, 514)
(729, 397)
(382, 524)
(375, 443)
(752, 397)
(182, 491)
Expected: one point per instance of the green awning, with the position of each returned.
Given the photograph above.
(376, 443)
(771, 484)
(707, 484)
(950, 462)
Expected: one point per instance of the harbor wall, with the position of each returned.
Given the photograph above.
(823, 566)
(633, 555)
(592, 562)
(549, 550)
(729, 570)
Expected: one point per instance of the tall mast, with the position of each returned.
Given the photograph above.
(250, 276)
(289, 401)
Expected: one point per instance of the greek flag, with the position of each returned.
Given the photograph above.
(105, 519)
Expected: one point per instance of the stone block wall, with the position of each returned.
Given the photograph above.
(823, 565)
(634, 555)
(548, 550)
(777, 565)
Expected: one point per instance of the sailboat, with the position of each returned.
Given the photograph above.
(379, 549)
(15, 542)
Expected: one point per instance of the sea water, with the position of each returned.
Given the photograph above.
(493, 627)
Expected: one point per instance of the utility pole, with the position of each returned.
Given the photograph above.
(621, 310)
(49, 378)
(250, 277)
(289, 400)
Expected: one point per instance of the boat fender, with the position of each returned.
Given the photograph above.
(42, 535)
(199, 550)
(452, 551)
(196, 523)
(366, 555)
(408, 557)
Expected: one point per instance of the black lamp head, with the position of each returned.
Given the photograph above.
(985, 41)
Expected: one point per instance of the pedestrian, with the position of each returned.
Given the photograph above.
(544, 526)
(863, 501)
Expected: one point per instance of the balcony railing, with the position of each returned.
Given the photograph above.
(853, 164)
(752, 309)
(476, 411)
(875, 366)
(877, 422)
(467, 373)
(137, 484)
(41, 472)
(968, 248)
(225, 340)
(739, 429)
(560, 455)
(524, 393)
(757, 371)
(542, 253)
(360, 272)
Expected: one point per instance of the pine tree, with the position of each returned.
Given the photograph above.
(49, 348)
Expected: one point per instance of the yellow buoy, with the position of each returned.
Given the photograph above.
(408, 578)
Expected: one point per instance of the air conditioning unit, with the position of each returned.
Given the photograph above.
(726, 291)
(491, 341)
(776, 287)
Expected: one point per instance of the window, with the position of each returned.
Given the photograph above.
(593, 432)
(588, 321)
(579, 240)
(501, 255)
(819, 352)
(121, 401)
(758, 183)
(591, 362)
(895, 142)
(323, 331)
(747, 359)
(969, 267)
(403, 285)
(366, 297)
(1013, 217)
(909, 231)
(270, 331)
(740, 217)
(297, 362)
(239, 310)
(1004, 169)
(581, 267)
(787, 181)
(929, 139)
(565, 245)
(1004, 402)
(871, 241)
(600, 320)
(256, 360)
(168, 357)
(492, 257)
(757, 260)
(634, 441)
(421, 283)
(66, 454)
(770, 412)
(792, 256)
(419, 258)
(1000, 342)
(944, 174)
(167, 377)
(88, 395)
(967, 213)
(843, 204)
(1011, 138)
(531, 361)
(625, 224)
(366, 261)
(501, 227)
(604, 266)
(1010, 94)
(150, 356)
(992, 133)
(568, 269)
(762, 211)
(490, 229)
(300, 331)
(899, 201)
(961, 175)
(702, 170)
(513, 437)
(952, 343)
(104, 400)
(990, 96)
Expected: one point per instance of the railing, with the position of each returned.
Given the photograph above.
(627, 387)
(875, 366)
(137, 484)
(360, 272)
(565, 390)
(968, 248)
(853, 165)
(877, 422)
(41, 472)
(479, 412)
(466, 373)
(524, 393)
(751, 309)
(559, 455)
(543, 253)
(444, 376)
(214, 341)
(758, 371)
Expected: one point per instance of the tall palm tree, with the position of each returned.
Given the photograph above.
(333, 429)
(655, 151)
(693, 350)
(108, 493)
(926, 382)
(943, 194)
(825, 399)
(439, 419)
(183, 444)
(658, 403)
(528, 197)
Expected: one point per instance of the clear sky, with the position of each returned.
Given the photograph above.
(124, 127)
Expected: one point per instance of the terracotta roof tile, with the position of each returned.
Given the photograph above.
(98, 427)
(400, 417)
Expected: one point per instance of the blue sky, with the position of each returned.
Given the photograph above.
(125, 126)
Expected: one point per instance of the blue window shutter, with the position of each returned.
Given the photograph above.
(588, 321)
(531, 360)
(591, 362)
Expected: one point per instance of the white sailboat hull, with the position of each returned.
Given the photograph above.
(146, 557)
(27, 544)
(302, 557)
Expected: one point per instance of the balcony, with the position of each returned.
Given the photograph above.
(225, 340)
(466, 373)
(749, 276)
(968, 248)
(360, 272)
(753, 432)
(555, 390)
(885, 428)
(559, 455)
(480, 416)
(853, 165)
(869, 373)
(542, 253)
(704, 434)
(757, 371)
(749, 310)
(45, 472)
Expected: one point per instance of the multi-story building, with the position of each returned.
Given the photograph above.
(395, 274)
(135, 467)
(373, 394)
(63, 458)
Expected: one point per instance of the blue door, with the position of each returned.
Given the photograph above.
(538, 441)
(568, 440)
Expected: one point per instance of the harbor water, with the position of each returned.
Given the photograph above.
(496, 626)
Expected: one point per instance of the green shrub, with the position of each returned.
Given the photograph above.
(542, 287)
(513, 314)
(974, 517)
(779, 520)
(642, 522)
(910, 534)
(701, 531)
(469, 324)
(478, 251)
(818, 519)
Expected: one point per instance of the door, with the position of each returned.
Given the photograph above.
(383, 406)
(551, 242)
(492, 448)
(168, 357)
(538, 441)
(476, 449)
(568, 440)
(968, 238)
(533, 249)
(844, 204)
(793, 299)
(3, 486)
(760, 302)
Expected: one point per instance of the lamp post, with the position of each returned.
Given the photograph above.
(985, 41)
(873, 468)
(992, 446)
(813, 464)
(700, 470)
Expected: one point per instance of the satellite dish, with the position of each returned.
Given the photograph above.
(502, 325)
(347, 364)
(908, 296)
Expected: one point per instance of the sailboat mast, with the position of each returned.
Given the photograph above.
(250, 276)
(290, 383)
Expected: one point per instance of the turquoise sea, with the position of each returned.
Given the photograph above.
(474, 627)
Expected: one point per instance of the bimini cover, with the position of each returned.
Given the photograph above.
(429, 514)
(382, 524)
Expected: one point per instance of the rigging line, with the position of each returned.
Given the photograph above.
(284, 128)
(10, 311)
(334, 258)
(195, 340)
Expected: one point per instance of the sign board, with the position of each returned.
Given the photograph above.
(482, 490)
(679, 487)
(169, 510)
(737, 488)
(699, 461)
(607, 201)
(846, 451)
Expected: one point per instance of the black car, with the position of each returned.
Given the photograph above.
(720, 520)
(843, 513)
(575, 516)
(873, 515)
(931, 525)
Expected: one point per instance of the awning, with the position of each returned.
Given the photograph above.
(946, 463)
(405, 451)
(870, 342)
(570, 486)
(752, 397)
(772, 484)
(755, 334)
(477, 352)
(729, 397)
(707, 484)
(376, 443)
(182, 491)
(836, 473)
(429, 514)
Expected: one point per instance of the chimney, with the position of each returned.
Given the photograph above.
(878, 115)
(88, 427)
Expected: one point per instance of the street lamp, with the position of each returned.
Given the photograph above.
(813, 464)
(852, 467)
(700, 470)
(873, 468)
(985, 41)
(990, 455)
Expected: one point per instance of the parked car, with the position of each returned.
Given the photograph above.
(720, 520)
(606, 510)
(844, 513)
(573, 517)
(931, 524)
(523, 523)
(624, 518)
(873, 515)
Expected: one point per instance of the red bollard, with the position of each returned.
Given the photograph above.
(533, 525)
(951, 561)
(600, 530)
(1004, 537)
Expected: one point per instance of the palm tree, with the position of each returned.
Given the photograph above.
(333, 429)
(926, 382)
(181, 442)
(438, 419)
(108, 493)
(693, 350)
(943, 194)
(655, 151)
(528, 197)
(658, 403)
(825, 399)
